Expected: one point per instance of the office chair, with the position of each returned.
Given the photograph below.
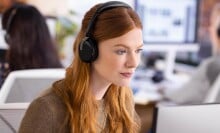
(213, 95)
(25, 85)
(11, 115)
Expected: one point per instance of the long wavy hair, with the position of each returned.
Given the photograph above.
(30, 42)
(74, 89)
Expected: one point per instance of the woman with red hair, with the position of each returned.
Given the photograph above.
(94, 95)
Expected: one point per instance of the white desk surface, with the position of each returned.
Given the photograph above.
(145, 90)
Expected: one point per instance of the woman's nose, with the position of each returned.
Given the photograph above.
(133, 60)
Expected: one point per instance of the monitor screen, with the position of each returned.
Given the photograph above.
(187, 119)
(168, 21)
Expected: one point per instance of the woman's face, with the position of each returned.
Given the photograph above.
(118, 58)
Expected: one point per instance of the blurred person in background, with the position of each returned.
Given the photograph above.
(29, 40)
(197, 88)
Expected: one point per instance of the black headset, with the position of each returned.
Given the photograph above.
(218, 31)
(88, 48)
(218, 27)
(8, 24)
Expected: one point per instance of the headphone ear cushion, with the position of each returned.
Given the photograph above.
(88, 50)
(218, 31)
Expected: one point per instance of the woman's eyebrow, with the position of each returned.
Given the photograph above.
(122, 45)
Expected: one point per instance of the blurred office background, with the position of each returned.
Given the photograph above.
(176, 33)
(176, 38)
(66, 15)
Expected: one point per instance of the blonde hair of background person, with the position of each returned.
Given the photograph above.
(95, 96)
(214, 29)
(196, 89)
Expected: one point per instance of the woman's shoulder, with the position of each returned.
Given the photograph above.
(49, 99)
(47, 105)
(45, 114)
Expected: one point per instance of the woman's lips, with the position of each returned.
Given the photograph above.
(126, 75)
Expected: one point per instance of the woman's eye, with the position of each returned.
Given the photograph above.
(139, 50)
(120, 52)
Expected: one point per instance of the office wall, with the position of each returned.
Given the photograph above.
(60, 7)
(51, 7)
(4, 4)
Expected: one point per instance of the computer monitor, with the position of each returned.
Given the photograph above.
(187, 119)
(169, 26)
(168, 22)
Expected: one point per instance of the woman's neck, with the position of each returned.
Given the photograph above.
(99, 86)
(98, 89)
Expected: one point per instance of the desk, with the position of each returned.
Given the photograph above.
(145, 113)
(145, 90)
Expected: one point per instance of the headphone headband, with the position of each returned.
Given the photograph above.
(10, 19)
(8, 24)
(103, 7)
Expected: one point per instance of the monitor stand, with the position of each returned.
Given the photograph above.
(171, 51)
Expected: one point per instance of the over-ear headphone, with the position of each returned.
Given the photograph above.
(88, 48)
(218, 31)
(217, 22)
(8, 24)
